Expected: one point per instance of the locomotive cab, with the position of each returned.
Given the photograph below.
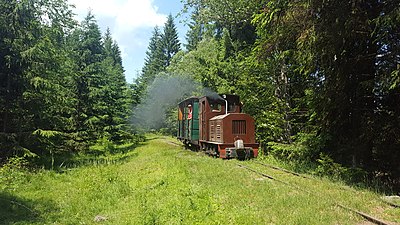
(222, 124)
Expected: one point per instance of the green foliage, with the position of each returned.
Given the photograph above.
(34, 94)
(202, 64)
(195, 32)
(306, 71)
(102, 147)
(305, 147)
(233, 15)
(106, 147)
(13, 172)
(170, 128)
(329, 168)
(61, 86)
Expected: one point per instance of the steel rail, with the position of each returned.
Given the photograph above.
(283, 170)
(312, 178)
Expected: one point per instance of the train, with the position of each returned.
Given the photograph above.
(215, 124)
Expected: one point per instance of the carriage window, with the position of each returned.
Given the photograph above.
(190, 110)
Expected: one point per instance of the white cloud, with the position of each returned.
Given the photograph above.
(131, 23)
(127, 15)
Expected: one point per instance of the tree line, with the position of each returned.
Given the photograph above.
(62, 83)
(321, 78)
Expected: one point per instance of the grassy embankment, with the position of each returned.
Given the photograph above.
(160, 183)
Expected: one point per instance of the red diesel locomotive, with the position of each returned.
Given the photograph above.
(215, 124)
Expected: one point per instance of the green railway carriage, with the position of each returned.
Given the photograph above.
(188, 122)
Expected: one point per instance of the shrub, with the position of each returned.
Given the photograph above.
(305, 147)
(328, 167)
(13, 171)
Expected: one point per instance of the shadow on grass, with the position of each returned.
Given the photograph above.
(17, 210)
(117, 155)
(97, 161)
(153, 138)
(100, 156)
(128, 148)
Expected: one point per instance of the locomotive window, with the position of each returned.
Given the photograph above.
(232, 107)
(238, 126)
(215, 107)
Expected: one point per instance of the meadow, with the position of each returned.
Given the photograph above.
(159, 182)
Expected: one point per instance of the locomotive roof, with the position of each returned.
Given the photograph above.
(189, 100)
(219, 97)
(223, 116)
(213, 97)
(220, 117)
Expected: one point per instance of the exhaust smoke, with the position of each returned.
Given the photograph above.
(162, 98)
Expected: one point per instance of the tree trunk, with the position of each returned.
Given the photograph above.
(282, 93)
(6, 105)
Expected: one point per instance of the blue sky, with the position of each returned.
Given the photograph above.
(131, 23)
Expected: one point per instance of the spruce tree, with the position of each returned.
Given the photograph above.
(196, 30)
(89, 55)
(169, 41)
(162, 47)
(154, 58)
(153, 65)
(35, 87)
(114, 94)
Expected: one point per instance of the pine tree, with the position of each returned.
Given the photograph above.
(108, 45)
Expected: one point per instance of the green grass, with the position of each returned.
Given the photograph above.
(160, 183)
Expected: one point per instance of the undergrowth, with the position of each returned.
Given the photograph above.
(306, 155)
(325, 166)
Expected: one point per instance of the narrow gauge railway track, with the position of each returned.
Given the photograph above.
(362, 214)
(281, 169)
(312, 178)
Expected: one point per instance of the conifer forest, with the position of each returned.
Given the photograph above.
(320, 77)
